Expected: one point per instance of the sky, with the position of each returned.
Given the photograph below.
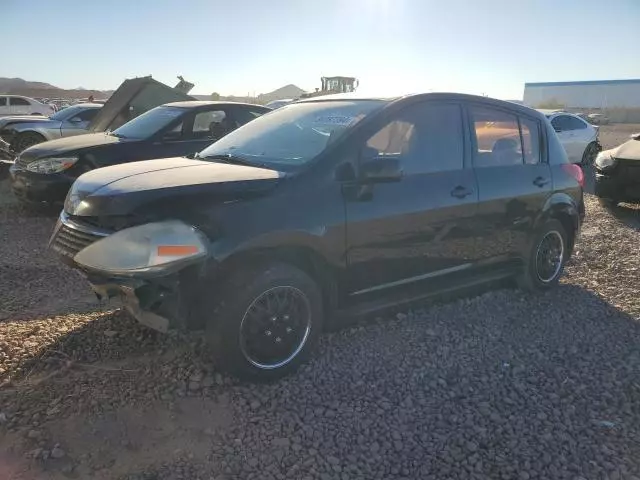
(240, 47)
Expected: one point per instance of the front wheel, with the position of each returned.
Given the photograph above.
(266, 322)
(547, 256)
(26, 140)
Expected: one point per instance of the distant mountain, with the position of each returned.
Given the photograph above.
(19, 86)
(288, 91)
(7, 85)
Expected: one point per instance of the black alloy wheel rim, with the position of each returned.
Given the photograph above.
(549, 256)
(275, 327)
(590, 156)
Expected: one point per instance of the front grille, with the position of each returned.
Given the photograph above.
(70, 237)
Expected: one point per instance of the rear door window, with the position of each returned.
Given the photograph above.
(3, 101)
(497, 137)
(211, 124)
(17, 101)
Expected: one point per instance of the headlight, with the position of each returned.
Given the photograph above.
(145, 249)
(51, 165)
(605, 160)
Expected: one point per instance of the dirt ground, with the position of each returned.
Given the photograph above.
(502, 385)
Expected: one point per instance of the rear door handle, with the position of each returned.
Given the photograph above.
(461, 192)
(540, 182)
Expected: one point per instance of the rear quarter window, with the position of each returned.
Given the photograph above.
(531, 141)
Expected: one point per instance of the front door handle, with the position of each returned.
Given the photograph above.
(461, 192)
(540, 182)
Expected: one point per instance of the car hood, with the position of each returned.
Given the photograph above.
(10, 120)
(68, 145)
(158, 186)
(629, 150)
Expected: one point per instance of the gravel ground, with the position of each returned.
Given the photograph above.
(503, 385)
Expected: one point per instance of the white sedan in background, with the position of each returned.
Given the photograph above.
(19, 105)
(578, 137)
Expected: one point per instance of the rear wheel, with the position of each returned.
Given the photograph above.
(590, 154)
(266, 322)
(26, 140)
(547, 257)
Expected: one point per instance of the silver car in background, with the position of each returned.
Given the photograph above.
(578, 137)
(74, 120)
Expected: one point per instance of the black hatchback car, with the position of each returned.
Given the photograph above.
(45, 172)
(328, 206)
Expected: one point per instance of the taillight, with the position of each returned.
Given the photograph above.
(575, 171)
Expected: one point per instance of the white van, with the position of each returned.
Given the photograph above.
(19, 105)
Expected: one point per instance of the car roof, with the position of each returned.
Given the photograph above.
(204, 103)
(549, 111)
(450, 96)
(346, 96)
(88, 105)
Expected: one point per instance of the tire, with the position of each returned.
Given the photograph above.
(242, 322)
(26, 140)
(533, 277)
(589, 155)
(608, 203)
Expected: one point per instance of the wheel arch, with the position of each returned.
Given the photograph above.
(299, 255)
(22, 133)
(562, 207)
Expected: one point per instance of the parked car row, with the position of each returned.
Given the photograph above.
(326, 207)
(45, 172)
(132, 98)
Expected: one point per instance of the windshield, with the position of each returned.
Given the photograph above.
(67, 113)
(291, 136)
(148, 123)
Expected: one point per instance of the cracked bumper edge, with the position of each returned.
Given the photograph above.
(130, 295)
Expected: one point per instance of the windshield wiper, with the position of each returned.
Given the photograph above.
(117, 135)
(228, 158)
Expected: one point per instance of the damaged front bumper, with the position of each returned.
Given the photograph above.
(5, 148)
(161, 303)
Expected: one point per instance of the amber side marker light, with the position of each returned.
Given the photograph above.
(176, 250)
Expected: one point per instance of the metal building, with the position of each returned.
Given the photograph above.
(596, 94)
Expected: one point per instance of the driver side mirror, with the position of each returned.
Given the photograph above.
(380, 169)
(75, 120)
